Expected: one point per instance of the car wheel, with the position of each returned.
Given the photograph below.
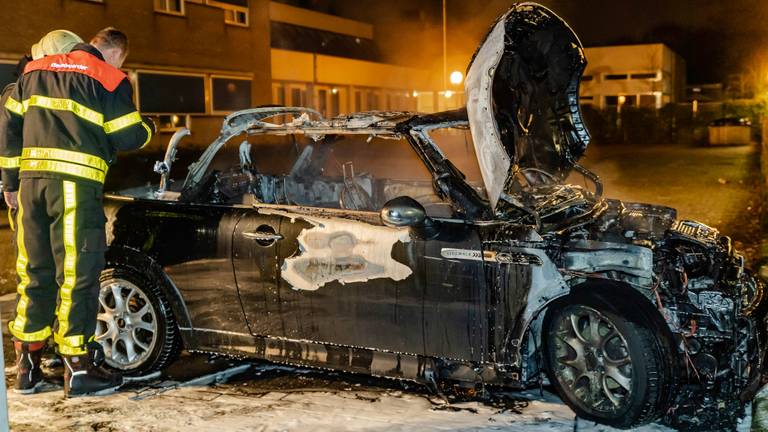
(135, 324)
(605, 365)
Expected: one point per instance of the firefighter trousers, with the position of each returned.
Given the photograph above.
(60, 242)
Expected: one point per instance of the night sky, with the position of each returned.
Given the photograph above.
(716, 37)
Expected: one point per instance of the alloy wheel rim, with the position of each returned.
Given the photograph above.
(592, 359)
(126, 325)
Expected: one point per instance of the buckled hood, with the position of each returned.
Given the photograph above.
(522, 92)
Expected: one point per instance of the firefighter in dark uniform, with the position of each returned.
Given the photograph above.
(56, 42)
(69, 116)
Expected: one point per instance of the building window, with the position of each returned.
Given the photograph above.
(94, 1)
(629, 100)
(230, 94)
(372, 100)
(648, 101)
(236, 17)
(278, 94)
(172, 7)
(289, 94)
(650, 76)
(235, 11)
(172, 123)
(615, 77)
(161, 93)
(587, 78)
(358, 101)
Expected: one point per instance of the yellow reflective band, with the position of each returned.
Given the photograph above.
(9, 162)
(37, 336)
(79, 110)
(149, 134)
(66, 156)
(122, 122)
(17, 326)
(71, 351)
(14, 106)
(63, 168)
(70, 268)
(69, 341)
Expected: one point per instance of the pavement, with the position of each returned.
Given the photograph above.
(718, 186)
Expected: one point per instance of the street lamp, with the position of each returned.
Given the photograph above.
(622, 100)
(456, 77)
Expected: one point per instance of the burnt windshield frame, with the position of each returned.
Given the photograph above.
(449, 182)
(388, 125)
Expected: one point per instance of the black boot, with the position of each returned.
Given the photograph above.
(82, 377)
(29, 377)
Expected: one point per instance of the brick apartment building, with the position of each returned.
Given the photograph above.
(194, 61)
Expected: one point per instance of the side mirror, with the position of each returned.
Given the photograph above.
(407, 212)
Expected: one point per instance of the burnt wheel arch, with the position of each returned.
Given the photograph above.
(134, 260)
(161, 336)
(623, 301)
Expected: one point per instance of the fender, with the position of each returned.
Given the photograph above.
(124, 256)
(610, 291)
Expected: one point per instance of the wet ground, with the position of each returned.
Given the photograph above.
(718, 186)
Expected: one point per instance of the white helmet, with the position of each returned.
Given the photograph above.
(55, 42)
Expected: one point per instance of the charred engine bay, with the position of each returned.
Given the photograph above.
(714, 309)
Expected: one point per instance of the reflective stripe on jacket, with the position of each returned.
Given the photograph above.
(68, 116)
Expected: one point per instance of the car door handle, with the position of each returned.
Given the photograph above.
(263, 236)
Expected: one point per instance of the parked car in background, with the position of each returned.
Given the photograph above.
(441, 248)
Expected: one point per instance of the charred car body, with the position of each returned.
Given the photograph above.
(283, 248)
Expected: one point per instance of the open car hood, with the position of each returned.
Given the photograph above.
(522, 92)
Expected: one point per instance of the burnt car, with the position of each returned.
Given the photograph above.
(446, 248)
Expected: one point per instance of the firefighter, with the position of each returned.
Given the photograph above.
(74, 112)
(55, 42)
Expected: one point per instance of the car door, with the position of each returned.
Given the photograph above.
(255, 242)
(349, 281)
(355, 282)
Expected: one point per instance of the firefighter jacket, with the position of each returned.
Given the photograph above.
(67, 117)
(9, 162)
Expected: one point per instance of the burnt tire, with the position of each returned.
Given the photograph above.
(606, 361)
(135, 324)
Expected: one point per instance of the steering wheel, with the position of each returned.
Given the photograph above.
(538, 171)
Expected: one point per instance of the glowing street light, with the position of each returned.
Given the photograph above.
(456, 77)
(622, 100)
(448, 94)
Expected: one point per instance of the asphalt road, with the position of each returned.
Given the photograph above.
(717, 186)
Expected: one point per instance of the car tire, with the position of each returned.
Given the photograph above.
(621, 378)
(139, 335)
